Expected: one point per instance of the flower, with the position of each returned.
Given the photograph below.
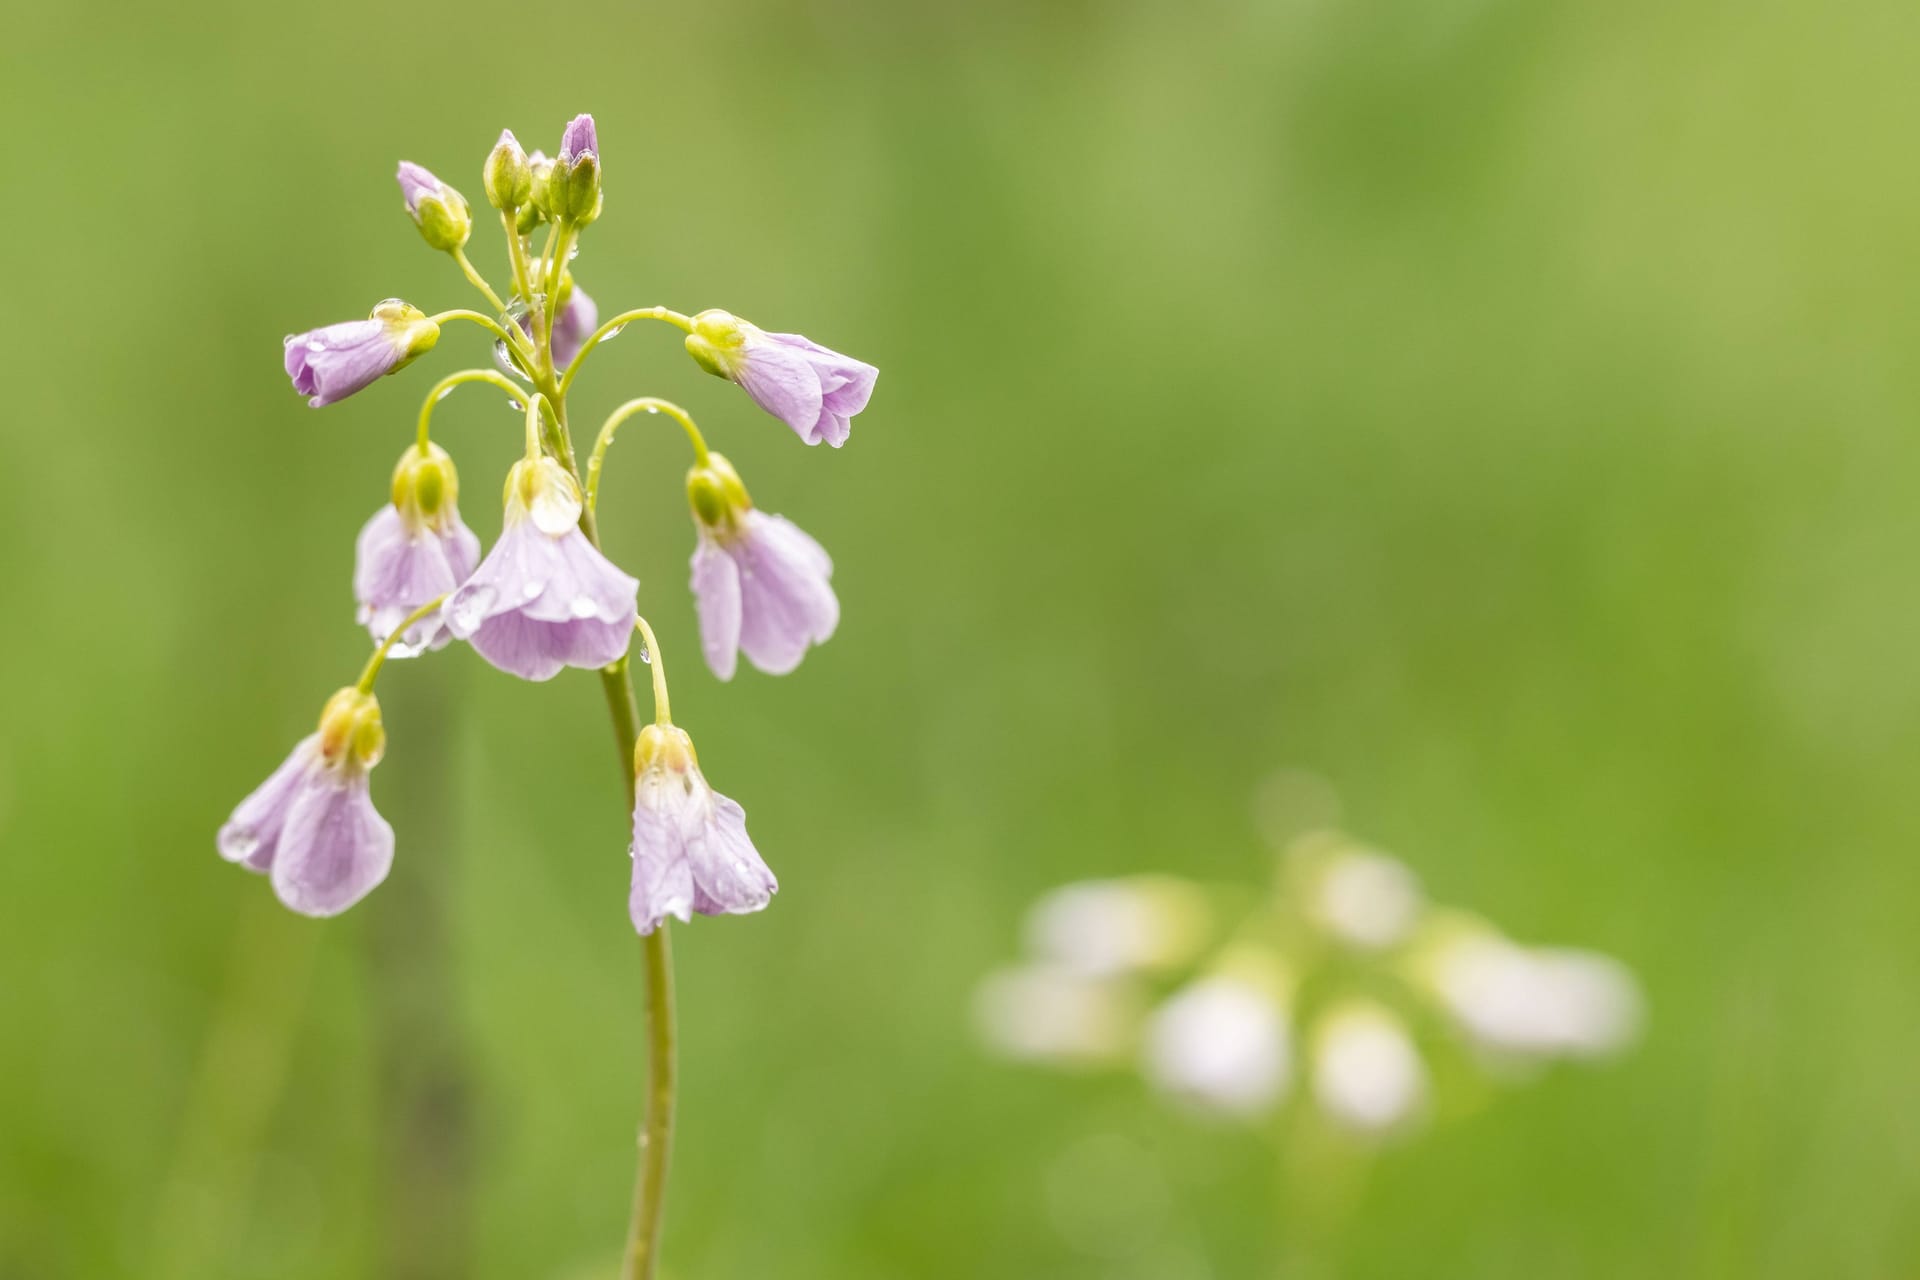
(1222, 1042)
(1367, 900)
(1043, 1013)
(437, 209)
(311, 826)
(1366, 1072)
(759, 582)
(690, 850)
(578, 318)
(544, 598)
(811, 389)
(330, 364)
(1104, 928)
(1533, 1002)
(413, 550)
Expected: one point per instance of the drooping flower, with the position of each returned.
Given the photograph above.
(413, 550)
(760, 583)
(810, 388)
(330, 364)
(545, 597)
(1532, 1002)
(690, 851)
(311, 826)
(1222, 1043)
(1367, 1074)
(437, 209)
(1105, 928)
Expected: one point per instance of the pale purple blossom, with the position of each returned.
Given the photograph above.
(417, 184)
(812, 389)
(574, 325)
(330, 364)
(311, 826)
(544, 598)
(414, 550)
(691, 851)
(579, 138)
(762, 588)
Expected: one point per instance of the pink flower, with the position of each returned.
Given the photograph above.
(330, 364)
(760, 583)
(544, 598)
(413, 550)
(311, 826)
(691, 851)
(810, 388)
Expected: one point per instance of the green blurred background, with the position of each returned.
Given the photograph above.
(1501, 407)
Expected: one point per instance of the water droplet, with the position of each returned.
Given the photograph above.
(613, 333)
(583, 607)
(242, 845)
(444, 393)
(533, 589)
(643, 653)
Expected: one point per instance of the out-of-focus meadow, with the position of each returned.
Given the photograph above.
(1504, 409)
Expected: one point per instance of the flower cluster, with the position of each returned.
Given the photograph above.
(1345, 974)
(546, 597)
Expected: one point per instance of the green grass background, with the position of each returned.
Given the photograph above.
(1504, 408)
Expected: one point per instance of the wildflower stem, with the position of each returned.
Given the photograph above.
(656, 1126)
(485, 322)
(662, 713)
(517, 254)
(556, 263)
(645, 404)
(613, 326)
(372, 671)
(452, 380)
(479, 281)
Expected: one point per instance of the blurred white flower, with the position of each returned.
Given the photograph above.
(1050, 1014)
(1223, 1043)
(1106, 927)
(1367, 899)
(1367, 1074)
(1541, 1002)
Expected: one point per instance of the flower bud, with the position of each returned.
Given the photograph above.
(540, 178)
(409, 328)
(425, 487)
(350, 730)
(716, 494)
(664, 747)
(716, 340)
(508, 174)
(573, 186)
(436, 208)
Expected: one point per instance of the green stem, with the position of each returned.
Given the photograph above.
(645, 404)
(517, 254)
(656, 1126)
(372, 670)
(662, 711)
(556, 263)
(452, 380)
(479, 281)
(613, 326)
(485, 322)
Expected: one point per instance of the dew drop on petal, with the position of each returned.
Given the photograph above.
(242, 845)
(583, 607)
(533, 589)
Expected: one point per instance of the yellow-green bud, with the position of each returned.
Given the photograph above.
(540, 171)
(542, 489)
(662, 746)
(508, 174)
(583, 189)
(351, 734)
(436, 208)
(425, 487)
(717, 496)
(416, 331)
(716, 339)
